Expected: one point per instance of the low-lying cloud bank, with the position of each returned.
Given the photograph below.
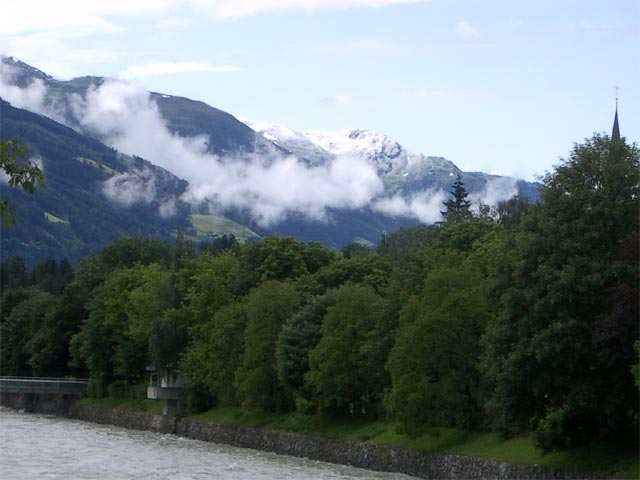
(424, 206)
(268, 187)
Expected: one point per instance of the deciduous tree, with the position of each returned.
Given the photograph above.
(555, 286)
(346, 372)
(26, 175)
(268, 307)
(434, 361)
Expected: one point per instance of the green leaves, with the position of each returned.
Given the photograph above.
(26, 175)
(346, 368)
(216, 351)
(299, 335)
(436, 350)
(124, 311)
(554, 285)
(268, 307)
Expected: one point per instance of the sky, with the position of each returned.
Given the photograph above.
(499, 86)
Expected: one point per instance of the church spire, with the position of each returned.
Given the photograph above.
(615, 132)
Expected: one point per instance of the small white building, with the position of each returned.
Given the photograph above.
(167, 388)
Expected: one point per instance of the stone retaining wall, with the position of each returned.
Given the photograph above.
(373, 457)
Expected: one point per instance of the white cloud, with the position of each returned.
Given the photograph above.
(271, 190)
(167, 209)
(66, 15)
(496, 190)
(465, 29)
(38, 31)
(242, 8)
(94, 17)
(35, 49)
(31, 98)
(130, 188)
(269, 187)
(166, 68)
(424, 206)
(125, 116)
(33, 29)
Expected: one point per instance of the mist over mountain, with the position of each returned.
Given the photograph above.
(92, 195)
(335, 187)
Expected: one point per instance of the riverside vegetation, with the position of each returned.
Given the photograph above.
(509, 332)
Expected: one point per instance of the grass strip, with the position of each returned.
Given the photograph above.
(126, 404)
(600, 459)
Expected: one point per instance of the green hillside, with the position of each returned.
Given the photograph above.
(73, 215)
(211, 225)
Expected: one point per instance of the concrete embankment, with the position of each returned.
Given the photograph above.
(358, 454)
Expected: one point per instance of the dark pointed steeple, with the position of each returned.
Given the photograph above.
(615, 132)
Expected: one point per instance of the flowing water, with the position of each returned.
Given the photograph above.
(43, 447)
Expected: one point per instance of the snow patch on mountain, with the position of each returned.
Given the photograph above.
(292, 141)
(390, 159)
(27, 71)
(383, 152)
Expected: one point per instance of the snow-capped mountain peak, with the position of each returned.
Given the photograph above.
(20, 71)
(291, 140)
(274, 132)
(388, 157)
(385, 153)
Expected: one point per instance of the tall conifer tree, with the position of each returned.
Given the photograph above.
(458, 207)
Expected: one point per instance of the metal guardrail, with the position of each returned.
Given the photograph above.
(42, 386)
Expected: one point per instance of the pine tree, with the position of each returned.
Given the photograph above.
(458, 207)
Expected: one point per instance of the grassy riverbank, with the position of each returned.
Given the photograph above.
(601, 459)
(126, 404)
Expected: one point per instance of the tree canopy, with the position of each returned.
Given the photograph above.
(526, 322)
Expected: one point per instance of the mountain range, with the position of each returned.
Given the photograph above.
(120, 161)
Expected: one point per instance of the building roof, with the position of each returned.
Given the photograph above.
(615, 132)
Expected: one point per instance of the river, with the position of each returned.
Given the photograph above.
(36, 446)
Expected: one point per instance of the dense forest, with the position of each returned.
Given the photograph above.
(518, 318)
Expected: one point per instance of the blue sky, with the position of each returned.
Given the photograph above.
(501, 86)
